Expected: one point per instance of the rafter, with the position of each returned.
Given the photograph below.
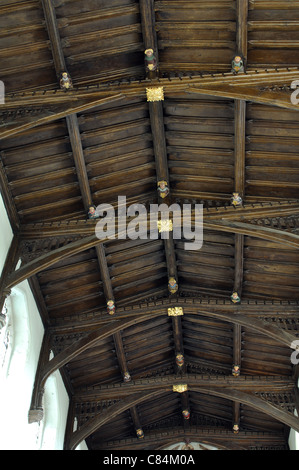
(247, 314)
(117, 337)
(76, 144)
(246, 398)
(248, 211)
(16, 121)
(49, 259)
(54, 36)
(78, 154)
(240, 154)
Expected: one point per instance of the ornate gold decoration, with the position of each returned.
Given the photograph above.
(165, 225)
(175, 312)
(155, 93)
(180, 388)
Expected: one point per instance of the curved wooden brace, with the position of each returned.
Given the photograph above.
(143, 314)
(81, 345)
(256, 324)
(257, 403)
(74, 350)
(92, 425)
(257, 231)
(49, 259)
(50, 115)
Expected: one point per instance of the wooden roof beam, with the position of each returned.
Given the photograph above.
(78, 154)
(8, 200)
(147, 13)
(242, 27)
(228, 393)
(240, 153)
(143, 314)
(54, 36)
(76, 144)
(270, 86)
(248, 211)
(117, 337)
(251, 384)
(49, 259)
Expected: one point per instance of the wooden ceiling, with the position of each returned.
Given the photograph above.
(212, 133)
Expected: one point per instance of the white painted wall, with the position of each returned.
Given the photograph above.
(6, 234)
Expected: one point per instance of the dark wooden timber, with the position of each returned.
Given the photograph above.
(10, 264)
(54, 36)
(212, 132)
(240, 175)
(253, 86)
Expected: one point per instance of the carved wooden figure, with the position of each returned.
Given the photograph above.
(235, 298)
(186, 414)
(140, 433)
(236, 429)
(92, 212)
(150, 60)
(236, 371)
(179, 360)
(236, 199)
(237, 64)
(111, 307)
(163, 189)
(66, 81)
(172, 285)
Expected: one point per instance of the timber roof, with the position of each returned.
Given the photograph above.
(212, 133)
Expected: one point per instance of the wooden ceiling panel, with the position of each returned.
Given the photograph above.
(259, 353)
(251, 419)
(209, 270)
(208, 345)
(24, 47)
(119, 428)
(86, 370)
(117, 31)
(190, 38)
(161, 411)
(102, 140)
(41, 175)
(269, 270)
(73, 286)
(272, 34)
(271, 162)
(210, 410)
(137, 269)
(199, 137)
